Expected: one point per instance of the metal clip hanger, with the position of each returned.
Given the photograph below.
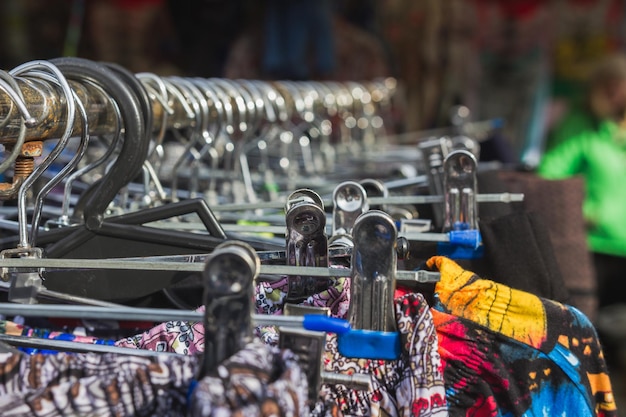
(371, 315)
(350, 201)
(228, 299)
(306, 242)
(461, 208)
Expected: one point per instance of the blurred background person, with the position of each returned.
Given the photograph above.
(590, 141)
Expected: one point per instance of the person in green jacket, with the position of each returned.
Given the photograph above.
(596, 150)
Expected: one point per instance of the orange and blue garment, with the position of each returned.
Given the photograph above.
(507, 352)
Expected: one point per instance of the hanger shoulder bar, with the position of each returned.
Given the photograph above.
(152, 264)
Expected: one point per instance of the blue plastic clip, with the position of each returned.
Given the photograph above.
(466, 238)
(369, 344)
(364, 344)
(319, 323)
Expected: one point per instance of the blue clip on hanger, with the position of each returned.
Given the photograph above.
(373, 333)
(461, 208)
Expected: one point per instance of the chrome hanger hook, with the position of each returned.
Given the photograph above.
(34, 68)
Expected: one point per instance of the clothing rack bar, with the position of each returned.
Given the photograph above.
(13, 265)
(132, 313)
(75, 347)
(44, 102)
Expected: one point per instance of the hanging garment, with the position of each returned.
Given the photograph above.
(258, 379)
(559, 204)
(94, 385)
(15, 329)
(186, 338)
(525, 262)
(270, 297)
(508, 352)
(246, 384)
(410, 386)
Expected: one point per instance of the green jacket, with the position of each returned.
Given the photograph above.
(599, 156)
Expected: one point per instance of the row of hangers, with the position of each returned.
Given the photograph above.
(218, 123)
(122, 231)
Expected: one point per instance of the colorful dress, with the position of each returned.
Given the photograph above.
(507, 352)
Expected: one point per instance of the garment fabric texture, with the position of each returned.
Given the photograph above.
(94, 385)
(176, 336)
(15, 329)
(259, 380)
(510, 353)
(409, 386)
(187, 338)
(558, 203)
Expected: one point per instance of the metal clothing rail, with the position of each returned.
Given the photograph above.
(45, 101)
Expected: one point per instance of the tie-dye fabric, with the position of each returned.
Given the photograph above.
(510, 353)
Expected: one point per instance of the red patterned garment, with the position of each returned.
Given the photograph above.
(413, 385)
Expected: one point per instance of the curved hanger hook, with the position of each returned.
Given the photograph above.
(277, 99)
(221, 97)
(264, 104)
(213, 101)
(229, 95)
(54, 154)
(181, 99)
(223, 117)
(45, 190)
(200, 131)
(295, 96)
(134, 104)
(184, 92)
(111, 147)
(160, 94)
(251, 112)
(261, 112)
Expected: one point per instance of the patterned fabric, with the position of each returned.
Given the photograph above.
(94, 385)
(270, 297)
(257, 381)
(14, 329)
(186, 338)
(506, 352)
(410, 386)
